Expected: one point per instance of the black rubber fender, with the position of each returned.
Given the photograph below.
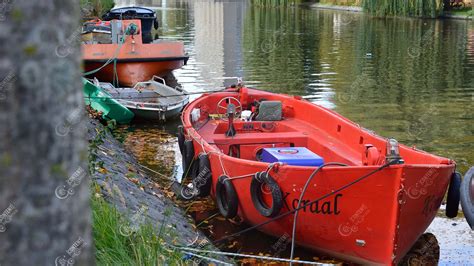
(194, 169)
(202, 181)
(467, 197)
(181, 139)
(188, 155)
(452, 201)
(258, 180)
(226, 197)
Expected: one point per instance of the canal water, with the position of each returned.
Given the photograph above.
(410, 79)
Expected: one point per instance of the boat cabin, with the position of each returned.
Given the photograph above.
(111, 32)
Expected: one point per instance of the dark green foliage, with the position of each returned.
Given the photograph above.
(412, 8)
(96, 7)
(274, 3)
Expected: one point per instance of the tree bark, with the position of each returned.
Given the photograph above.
(43, 149)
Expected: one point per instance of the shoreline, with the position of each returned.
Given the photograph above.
(337, 7)
(360, 10)
(453, 16)
(127, 187)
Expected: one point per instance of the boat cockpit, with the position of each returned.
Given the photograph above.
(249, 124)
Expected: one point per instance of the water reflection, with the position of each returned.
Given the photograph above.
(405, 78)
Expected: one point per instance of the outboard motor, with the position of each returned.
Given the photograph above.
(231, 110)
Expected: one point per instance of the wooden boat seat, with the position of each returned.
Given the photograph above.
(284, 131)
(297, 138)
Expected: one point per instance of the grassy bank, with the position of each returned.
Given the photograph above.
(141, 247)
(467, 11)
(407, 8)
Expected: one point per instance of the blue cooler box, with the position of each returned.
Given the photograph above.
(292, 155)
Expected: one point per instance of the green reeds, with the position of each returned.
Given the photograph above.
(411, 8)
(276, 3)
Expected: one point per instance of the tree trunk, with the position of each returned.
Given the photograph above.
(44, 187)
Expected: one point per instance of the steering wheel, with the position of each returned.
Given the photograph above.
(224, 102)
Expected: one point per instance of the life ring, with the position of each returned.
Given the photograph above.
(188, 155)
(467, 197)
(452, 200)
(181, 139)
(226, 197)
(258, 180)
(202, 181)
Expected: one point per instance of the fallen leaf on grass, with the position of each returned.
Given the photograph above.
(233, 244)
(134, 180)
(103, 170)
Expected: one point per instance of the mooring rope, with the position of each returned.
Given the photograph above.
(267, 171)
(307, 203)
(208, 258)
(248, 255)
(158, 96)
(313, 174)
(153, 171)
(110, 60)
(239, 176)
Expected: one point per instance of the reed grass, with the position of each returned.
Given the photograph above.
(277, 3)
(411, 8)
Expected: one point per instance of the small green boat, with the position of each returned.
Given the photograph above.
(103, 102)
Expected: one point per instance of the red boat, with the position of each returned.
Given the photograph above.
(122, 55)
(260, 155)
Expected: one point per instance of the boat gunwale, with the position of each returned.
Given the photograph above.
(139, 60)
(210, 150)
(174, 106)
(156, 106)
(192, 132)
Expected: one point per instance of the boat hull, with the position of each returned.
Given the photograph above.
(149, 100)
(104, 103)
(133, 60)
(130, 72)
(376, 220)
(362, 224)
(157, 115)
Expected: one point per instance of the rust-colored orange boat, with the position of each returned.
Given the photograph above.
(262, 156)
(124, 57)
